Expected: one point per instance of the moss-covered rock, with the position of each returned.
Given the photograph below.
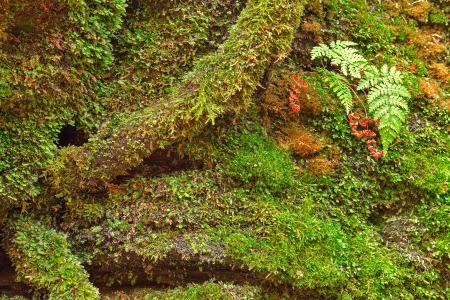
(221, 82)
(42, 258)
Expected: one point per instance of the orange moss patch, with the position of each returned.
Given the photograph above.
(275, 101)
(429, 89)
(300, 141)
(419, 10)
(320, 165)
(440, 71)
(412, 67)
(429, 43)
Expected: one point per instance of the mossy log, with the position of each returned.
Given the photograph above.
(220, 83)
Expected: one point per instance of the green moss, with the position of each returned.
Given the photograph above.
(434, 215)
(207, 291)
(439, 18)
(158, 45)
(257, 161)
(288, 238)
(263, 31)
(428, 172)
(365, 24)
(43, 259)
(95, 24)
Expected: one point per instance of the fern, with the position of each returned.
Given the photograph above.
(387, 95)
(339, 85)
(342, 54)
(387, 101)
(374, 76)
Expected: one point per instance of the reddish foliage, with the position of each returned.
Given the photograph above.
(295, 92)
(354, 121)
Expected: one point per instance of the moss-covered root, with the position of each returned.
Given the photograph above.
(42, 258)
(220, 83)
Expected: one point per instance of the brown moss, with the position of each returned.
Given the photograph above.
(393, 7)
(311, 104)
(419, 10)
(315, 7)
(314, 29)
(429, 89)
(429, 43)
(335, 157)
(275, 101)
(300, 141)
(320, 165)
(440, 71)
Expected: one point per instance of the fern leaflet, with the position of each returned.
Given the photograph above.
(342, 54)
(339, 85)
(387, 101)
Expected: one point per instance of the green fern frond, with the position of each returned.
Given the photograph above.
(342, 54)
(390, 126)
(339, 85)
(387, 95)
(387, 102)
(374, 76)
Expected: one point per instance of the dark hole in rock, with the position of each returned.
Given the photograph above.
(72, 136)
(162, 162)
(8, 284)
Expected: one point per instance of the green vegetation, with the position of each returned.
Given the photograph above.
(258, 162)
(206, 291)
(387, 95)
(150, 149)
(263, 32)
(42, 257)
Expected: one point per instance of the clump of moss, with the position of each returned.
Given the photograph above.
(429, 89)
(430, 47)
(275, 99)
(301, 141)
(43, 259)
(441, 72)
(256, 160)
(419, 10)
(428, 171)
(438, 18)
(320, 165)
(313, 29)
(358, 20)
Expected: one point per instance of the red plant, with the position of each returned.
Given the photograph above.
(354, 121)
(295, 92)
